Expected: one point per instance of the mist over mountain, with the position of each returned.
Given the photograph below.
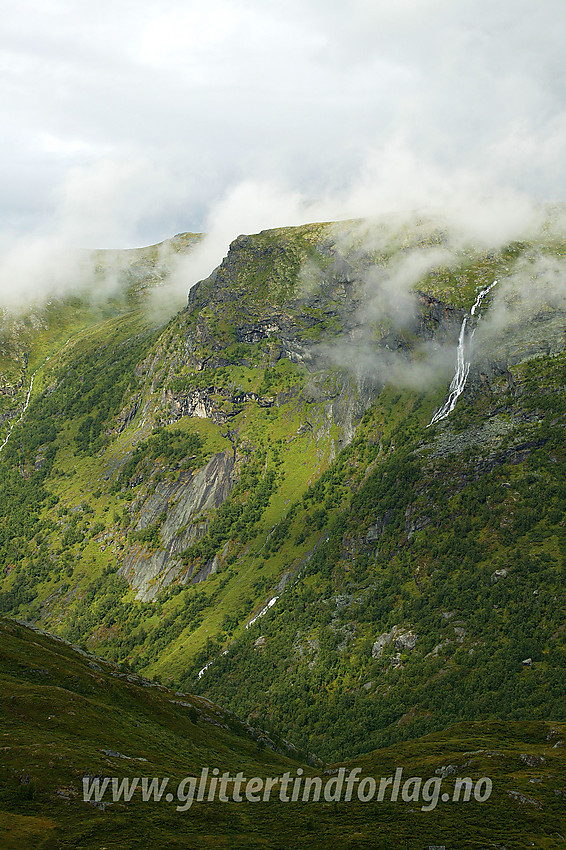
(126, 126)
(255, 488)
(282, 411)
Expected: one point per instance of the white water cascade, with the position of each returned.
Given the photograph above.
(26, 405)
(27, 401)
(463, 361)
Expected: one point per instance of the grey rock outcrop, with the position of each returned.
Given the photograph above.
(182, 502)
(404, 641)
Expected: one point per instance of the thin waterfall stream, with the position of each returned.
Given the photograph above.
(463, 361)
(15, 422)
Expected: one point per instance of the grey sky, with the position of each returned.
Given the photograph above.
(123, 122)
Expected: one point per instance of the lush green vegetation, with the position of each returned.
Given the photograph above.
(171, 447)
(66, 716)
(317, 655)
(454, 533)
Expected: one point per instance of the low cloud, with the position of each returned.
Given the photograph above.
(394, 186)
(106, 204)
(393, 257)
(401, 250)
(128, 123)
(533, 295)
(97, 207)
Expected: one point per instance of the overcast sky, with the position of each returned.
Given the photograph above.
(126, 122)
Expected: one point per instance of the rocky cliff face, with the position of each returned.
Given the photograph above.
(292, 296)
(297, 296)
(177, 507)
(296, 289)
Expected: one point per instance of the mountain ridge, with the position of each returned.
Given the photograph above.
(300, 380)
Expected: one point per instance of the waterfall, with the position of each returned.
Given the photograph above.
(28, 399)
(463, 361)
(26, 405)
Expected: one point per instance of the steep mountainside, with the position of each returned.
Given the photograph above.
(252, 492)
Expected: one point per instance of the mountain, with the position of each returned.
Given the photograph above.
(252, 491)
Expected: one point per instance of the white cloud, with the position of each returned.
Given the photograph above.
(125, 123)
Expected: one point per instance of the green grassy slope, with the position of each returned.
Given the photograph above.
(463, 550)
(66, 716)
(109, 284)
